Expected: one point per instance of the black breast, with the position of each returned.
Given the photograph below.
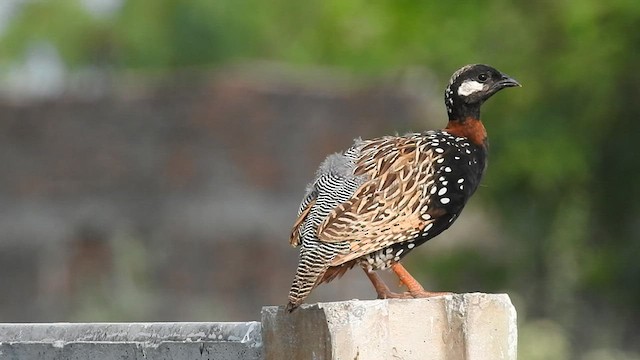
(458, 171)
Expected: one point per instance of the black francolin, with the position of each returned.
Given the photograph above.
(379, 199)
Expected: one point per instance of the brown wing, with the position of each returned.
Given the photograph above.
(389, 208)
(294, 239)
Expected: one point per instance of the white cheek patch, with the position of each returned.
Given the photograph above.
(469, 87)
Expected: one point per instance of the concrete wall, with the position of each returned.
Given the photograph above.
(111, 341)
(453, 327)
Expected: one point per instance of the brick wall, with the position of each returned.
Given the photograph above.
(176, 195)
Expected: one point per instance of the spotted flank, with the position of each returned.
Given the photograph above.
(411, 199)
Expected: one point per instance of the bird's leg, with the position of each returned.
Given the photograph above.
(415, 289)
(382, 289)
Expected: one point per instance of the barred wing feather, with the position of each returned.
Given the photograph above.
(392, 206)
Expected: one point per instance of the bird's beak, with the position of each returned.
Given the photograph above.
(507, 81)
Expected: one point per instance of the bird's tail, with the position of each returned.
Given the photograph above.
(313, 264)
(307, 278)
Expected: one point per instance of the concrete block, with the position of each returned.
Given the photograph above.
(461, 326)
(338, 330)
(458, 326)
(111, 341)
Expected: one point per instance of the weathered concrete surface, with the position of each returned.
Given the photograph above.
(110, 341)
(460, 326)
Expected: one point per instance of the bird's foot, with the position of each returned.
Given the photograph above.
(427, 294)
(415, 289)
(420, 294)
(416, 294)
(394, 295)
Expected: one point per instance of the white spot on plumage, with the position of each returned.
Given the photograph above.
(447, 169)
(440, 161)
(439, 150)
(411, 245)
(445, 200)
(469, 87)
(460, 181)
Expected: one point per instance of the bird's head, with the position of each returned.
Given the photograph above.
(472, 85)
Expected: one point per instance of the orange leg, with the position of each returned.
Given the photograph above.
(415, 289)
(382, 289)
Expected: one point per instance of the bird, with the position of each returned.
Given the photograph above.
(373, 203)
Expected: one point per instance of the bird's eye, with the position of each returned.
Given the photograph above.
(483, 77)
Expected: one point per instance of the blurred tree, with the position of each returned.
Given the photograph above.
(564, 168)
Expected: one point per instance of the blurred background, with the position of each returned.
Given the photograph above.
(154, 153)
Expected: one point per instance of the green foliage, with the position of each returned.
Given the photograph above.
(64, 23)
(564, 170)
